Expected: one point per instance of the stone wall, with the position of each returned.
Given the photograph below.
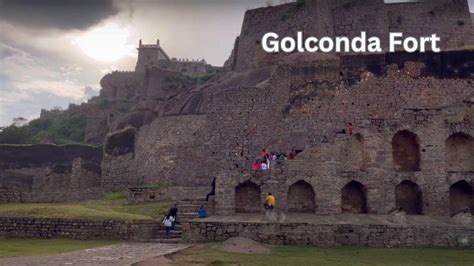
(171, 150)
(79, 229)
(47, 184)
(321, 18)
(304, 105)
(17, 156)
(327, 235)
(175, 193)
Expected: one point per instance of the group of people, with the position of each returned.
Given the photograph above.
(264, 159)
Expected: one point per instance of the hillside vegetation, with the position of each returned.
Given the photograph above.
(55, 126)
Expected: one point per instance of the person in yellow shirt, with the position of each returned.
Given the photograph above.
(269, 202)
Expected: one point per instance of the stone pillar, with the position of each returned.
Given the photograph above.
(225, 195)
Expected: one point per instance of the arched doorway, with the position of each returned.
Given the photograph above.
(406, 151)
(247, 198)
(301, 197)
(460, 152)
(460, 197)
(408, 196)
(353, 198)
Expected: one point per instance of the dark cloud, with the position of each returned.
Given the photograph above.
(56, 14)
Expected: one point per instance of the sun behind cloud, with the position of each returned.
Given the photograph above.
(106, 43)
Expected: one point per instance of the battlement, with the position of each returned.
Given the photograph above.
(154, 46)
(152, 55)
(186, 60)
(122, 71)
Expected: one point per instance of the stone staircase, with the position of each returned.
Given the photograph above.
(175, 235)
(187, 210)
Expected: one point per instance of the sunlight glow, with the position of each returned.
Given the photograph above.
(106, 43)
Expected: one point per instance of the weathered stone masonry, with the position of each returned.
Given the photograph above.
(332, 235)
(406, 124)
(79, 229)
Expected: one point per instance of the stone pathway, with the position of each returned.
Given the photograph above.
(119, 254)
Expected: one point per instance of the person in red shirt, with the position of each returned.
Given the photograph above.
(349, 128)
(256, 166)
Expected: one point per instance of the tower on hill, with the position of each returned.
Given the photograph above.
(150, 55)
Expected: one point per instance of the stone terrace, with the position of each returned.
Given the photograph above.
(334, 230)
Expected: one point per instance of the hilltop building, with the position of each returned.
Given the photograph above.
(153, 55)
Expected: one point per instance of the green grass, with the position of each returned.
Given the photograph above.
(36, 247)
(210, 254)
(115, 196)
(113, 206)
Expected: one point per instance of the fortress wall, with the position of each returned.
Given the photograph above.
(449, 19)
(18, 156)
(312, 18)
(353, 17)
(172, 150)
(378, 106)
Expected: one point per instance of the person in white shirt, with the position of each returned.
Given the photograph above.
(168, 223)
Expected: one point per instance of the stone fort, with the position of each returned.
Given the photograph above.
(412, 147)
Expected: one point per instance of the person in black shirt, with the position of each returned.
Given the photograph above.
(213, 191)
(174, 212)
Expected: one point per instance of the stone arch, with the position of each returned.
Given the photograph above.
(301, 197)
(408, 196)
(460, 152)
(461, 197)
(357, 152)
(406, 151)
(353, 198)
(247, 198)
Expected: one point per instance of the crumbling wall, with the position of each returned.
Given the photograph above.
(17, 156)
(50, 173)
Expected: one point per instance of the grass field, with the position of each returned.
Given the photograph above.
(209, 254)
(113, 206)
(36, 247)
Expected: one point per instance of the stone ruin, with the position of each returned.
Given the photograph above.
(413, 116)
(153, 55)
(50, 173)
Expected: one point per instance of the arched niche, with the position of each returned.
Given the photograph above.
(247, 198)
(301, 197)
(406, 151)
(408, 196)
(353, 198)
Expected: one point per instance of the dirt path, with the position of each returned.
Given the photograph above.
(119, 254)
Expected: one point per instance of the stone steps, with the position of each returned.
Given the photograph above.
(187, 216)
(188, 208)
(165, 240)
(194, 201)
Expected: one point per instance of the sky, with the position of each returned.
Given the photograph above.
(54, 52)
